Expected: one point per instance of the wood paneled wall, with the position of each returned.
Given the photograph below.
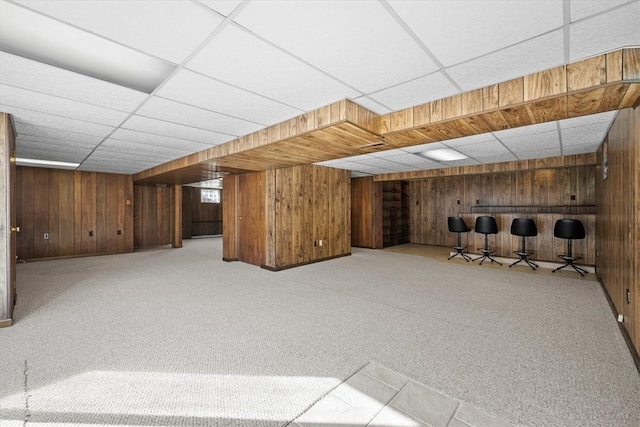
(82, 212)
(152, 215)
(366, 213)
(7, 220)
(302, 206)
(544, 190)
(199, 219)
(618, 219)
(308, 215)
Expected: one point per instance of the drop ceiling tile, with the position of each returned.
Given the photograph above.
(483, 149)
(38, 77)
(114, 157)
(371, 105)
(409, 159)
(55, 147)
(588, 134)
(266, 70)
(580, 149)
(175, 112)
(424, 147)
(463, 162)
(378, 162)
(35, 101)
(55, 156)
(582, 8)
(539, 141)
(174, 130)
(135, 148)
(603, 119)
(540, 53)
(526, 130)
(118, 169)
(497, 158)
(36, 133)
(418, 91)
(538, 154)
(223, 7)
(339, 164)
(157, 140)
(148, 26)
(359, 174)
(56, 122)
(487, 25)
(388, 153)
(606, 32)
(339, 37)
(372, 169)
(469, 140)
(200, 91)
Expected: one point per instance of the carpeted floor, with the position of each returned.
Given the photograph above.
(178, 337)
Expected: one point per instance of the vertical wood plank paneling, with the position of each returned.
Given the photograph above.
(101, 213)
(18, 202)
(27, 221)
(111, 213)
(88, 211)
(230, 218)
(176, 220)
(41, 190)
(66, 208)
(54, 212)
(271, 235)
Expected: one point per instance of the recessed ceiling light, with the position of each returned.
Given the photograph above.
(38, 37)
(46, 163)
(442, 155)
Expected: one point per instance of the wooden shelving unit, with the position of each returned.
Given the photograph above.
(395, 213)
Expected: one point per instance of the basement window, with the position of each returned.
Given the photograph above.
(209, 195)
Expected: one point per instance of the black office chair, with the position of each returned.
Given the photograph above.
(569, 229)
(457, 225)
(524, 227)
(486, 225)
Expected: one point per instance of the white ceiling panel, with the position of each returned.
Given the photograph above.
(378, 162)
(589, 134)
(526, 130)
(36, 132)
(463, 162)
(372, 105)
(343, 39)
(483, 149)
(56, 156)
(582, 8)
(606, 32)
(580, 149)
(56, 122)
(469, 140)
(497, 158)
(388, 153)
(236, 57)
(425, 147)
(415, 161)
(531, 56)
(418, 91)
(339, 164)
(223, 7)
(456, 31)
(136, 148)
(175, 112)
(538, 141)
(173, 130)
(121, 21)
(158, 140)
(39, 77)
(603, 119)
(40, 102)
(359, 174)
(200, 91)
(53, 146)
(538, 154)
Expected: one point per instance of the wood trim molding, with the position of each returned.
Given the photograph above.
(603, 83)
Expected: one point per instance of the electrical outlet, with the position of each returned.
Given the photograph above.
(628, 296)
(573, 197)
(46, 236)
(315, 243)
(119, 232)
(91, 234)
(319, 242)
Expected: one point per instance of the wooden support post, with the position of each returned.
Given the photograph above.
(176, 226)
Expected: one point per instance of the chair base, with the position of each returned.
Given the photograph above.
(569, 262)
(459, 250)
(523, 257)
(486, 254)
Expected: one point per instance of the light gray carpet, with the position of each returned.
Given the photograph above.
(178, 337)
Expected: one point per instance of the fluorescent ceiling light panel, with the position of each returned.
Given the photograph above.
(442, 155)
(40, 38)
(46, 163)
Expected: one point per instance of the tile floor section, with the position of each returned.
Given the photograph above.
(377, 396)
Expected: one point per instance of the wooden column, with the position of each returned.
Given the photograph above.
(230, 218)
(7, 221)
(176, 228)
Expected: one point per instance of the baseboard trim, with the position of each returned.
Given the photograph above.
(6, 323)
(286, 267)
(623, 329)
(230, 259)
(54, 258)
